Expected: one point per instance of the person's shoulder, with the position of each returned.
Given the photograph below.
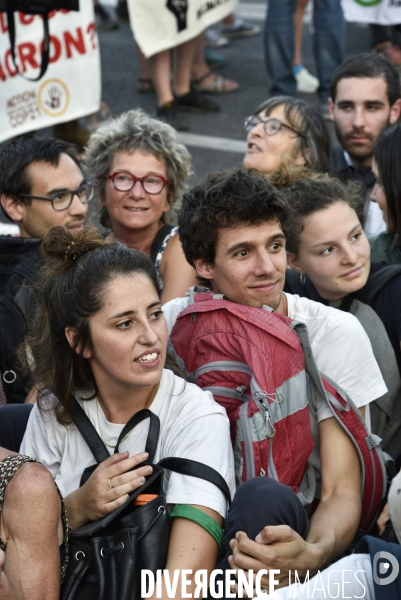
(188, 397)
(337, 159)
(300, 307)
(44, 412)
(172, 309)
(390, 290)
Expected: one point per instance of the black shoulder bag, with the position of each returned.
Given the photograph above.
(34, 7)
(106, 556)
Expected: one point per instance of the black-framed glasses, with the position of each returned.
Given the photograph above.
(124, 182)
(63, 199)
(271, 126)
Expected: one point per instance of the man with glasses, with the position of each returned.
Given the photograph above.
(41, 186)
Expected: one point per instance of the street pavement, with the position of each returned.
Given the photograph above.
(215, 140)
(245, 63)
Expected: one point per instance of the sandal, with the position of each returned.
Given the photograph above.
(145, 85)
(220, 85)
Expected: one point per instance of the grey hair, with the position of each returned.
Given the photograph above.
(315, 145)
(135, 130)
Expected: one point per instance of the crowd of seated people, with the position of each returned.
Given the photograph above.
(97, 317)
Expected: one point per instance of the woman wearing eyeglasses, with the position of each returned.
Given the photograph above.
(141, 172)
(286, 127)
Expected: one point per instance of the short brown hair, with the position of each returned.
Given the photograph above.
(308, 192)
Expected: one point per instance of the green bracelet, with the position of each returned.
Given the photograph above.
(184, 511)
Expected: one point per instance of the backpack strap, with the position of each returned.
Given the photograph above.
(185, 466)
(159, 239)
(95, 442)
(377, 281)
(46, 42)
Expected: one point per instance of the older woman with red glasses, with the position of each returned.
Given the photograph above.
(286, 128)
(141, 171)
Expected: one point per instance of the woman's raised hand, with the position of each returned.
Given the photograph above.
(107, 488)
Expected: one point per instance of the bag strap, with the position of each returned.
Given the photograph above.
(46, 42)
(185, 466)
(159, 239)
(153, 433)
(95, 442)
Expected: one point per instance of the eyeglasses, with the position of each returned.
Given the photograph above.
(271, 126)
(63, 199)
(124, 182)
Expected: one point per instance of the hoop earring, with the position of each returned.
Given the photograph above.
(302, 278)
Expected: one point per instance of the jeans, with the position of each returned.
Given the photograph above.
(259, 502)
(279, 45)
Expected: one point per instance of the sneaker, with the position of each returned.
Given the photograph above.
(103, 20)
(391, 53)
(306, 82)
(169, 113)
(195, 102)
(239, 29)
(213, 39)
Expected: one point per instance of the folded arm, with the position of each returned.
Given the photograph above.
(332, 526)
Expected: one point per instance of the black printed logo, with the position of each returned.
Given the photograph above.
(179, 8)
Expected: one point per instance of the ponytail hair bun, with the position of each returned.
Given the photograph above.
(64, 248)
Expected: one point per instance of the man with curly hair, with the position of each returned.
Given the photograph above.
(233, 231)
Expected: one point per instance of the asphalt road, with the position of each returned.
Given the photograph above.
(245, 63)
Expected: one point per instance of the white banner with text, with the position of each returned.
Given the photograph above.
(162, 24)
(380, 12)
(71, 86)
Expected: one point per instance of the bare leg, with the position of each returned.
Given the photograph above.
(30, 524)
(229, 20)
(160, 65)
(185, 55)
(298, 31)
(145, 71)
(201, 71)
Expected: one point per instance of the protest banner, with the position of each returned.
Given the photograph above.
(380, 12)
(162, 24)
(71, 86)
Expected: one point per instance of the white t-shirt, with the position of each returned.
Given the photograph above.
(192, 425)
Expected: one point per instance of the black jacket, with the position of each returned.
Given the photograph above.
(19, 262)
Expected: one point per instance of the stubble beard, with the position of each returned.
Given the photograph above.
(366, 153)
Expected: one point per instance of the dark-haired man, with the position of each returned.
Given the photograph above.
(232, 230)
(365, 100)
(41, 186)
